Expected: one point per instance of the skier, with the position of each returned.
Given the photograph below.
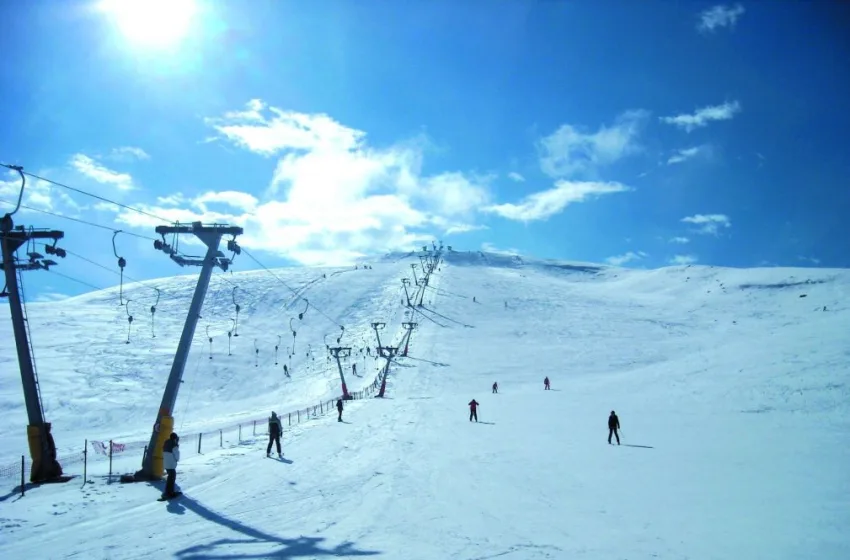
(274, 435)
(546, 384)
(613, 426)
(170, 457)
(495, 387)
(339, 409)
(473, 299)
(473, 410)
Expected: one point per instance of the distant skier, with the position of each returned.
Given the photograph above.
(339, 409)
(495, 387)
(274, 435)
(546, 384)
(613, 426)
(170, 457)
(473, 299)
(473, 410)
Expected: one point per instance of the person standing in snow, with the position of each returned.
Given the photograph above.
(546, 384)
(473, 410)
(339, 409)
(495, 387)
(613, 426)
(275, 430)
(170, 457)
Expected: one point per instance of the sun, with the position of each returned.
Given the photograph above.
(151, 23)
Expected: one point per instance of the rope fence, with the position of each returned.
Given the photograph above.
(192, 444)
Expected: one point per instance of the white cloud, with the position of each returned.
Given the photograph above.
(514, 176)
(332, 197)
(812, 260)
(620, 260)
(710, 223)
(569, 152)
(284, 130)
(128, 153)
(488, 247)
(38, 194)
(680, 240)
(93, 170)
(544, 204)
(719, 16)
(701, 117)
(234, 199)
(683, 259)
(684, 155)
(463, 228)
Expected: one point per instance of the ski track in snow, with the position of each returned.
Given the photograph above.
(732, 391)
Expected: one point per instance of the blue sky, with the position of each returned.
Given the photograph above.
(635, 133)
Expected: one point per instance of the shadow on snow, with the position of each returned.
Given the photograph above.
(288, 548)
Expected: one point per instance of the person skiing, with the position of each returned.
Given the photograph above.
(546, 384)
(170, 457)
(473, 410)
(495, 387)
(274, 435)
(339, 409)
(613, 426)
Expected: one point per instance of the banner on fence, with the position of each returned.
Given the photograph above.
(102, 447)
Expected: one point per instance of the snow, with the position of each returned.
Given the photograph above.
(732, 392)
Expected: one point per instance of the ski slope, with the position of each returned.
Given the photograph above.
(731, 388)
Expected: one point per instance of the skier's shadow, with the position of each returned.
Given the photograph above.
(488, 423)
(641, 446)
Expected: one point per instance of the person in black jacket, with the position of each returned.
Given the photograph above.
(613, 426)
(339, 409)
(274, 434)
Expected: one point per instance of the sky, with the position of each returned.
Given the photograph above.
(640, 134)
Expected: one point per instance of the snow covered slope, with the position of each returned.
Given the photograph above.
(731, 388)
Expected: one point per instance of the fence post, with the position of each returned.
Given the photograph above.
(200, 437)
(322, 407)
(290, 419)
(255, 427)
(23, 468)
(299, 416)
(240, 433)
(85, 460)
(220, 439)
(110, 461)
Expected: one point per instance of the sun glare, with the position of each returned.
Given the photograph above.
(151, 23)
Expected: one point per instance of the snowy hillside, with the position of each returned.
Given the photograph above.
(731, 386)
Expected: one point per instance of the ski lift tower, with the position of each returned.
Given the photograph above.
(42, 448)
(210, 235)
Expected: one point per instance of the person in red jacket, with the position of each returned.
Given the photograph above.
(473, 410)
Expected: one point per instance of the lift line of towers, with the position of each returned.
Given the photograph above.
(45, 466)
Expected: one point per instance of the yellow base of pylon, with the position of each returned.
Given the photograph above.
(34, 439)
(44, 468)
(166, 426)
